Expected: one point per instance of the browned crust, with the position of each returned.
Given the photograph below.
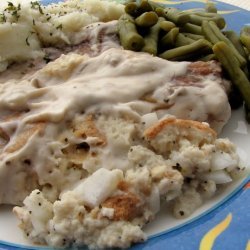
(87, 128)
(145, 188)
(204, 68)
(153, 131)
(4, 135)
(83, 127)
(12, 116)
(74, 154)
(22, 138)
(126, 206)
(123, 186)
(196, 71)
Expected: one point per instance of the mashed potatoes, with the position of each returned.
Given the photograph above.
(26, 28)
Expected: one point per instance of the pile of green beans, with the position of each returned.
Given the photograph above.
(245, 37)
(189, 35)
(164, 28)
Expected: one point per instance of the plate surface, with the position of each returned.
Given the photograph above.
(220, 224)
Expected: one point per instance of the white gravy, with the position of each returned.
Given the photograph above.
(72, 84)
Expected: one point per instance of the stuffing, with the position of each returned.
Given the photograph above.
(126, 206)
(109, 206)
(70, 220)
(186, 203)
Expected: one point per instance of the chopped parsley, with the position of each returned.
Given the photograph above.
(15, 15)
(2, 18)
(36, 5)
(59, 27)
(46, 58)
(27, 41)
(10, 5)
(13, 10)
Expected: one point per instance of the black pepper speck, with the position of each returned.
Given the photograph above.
(181, 213)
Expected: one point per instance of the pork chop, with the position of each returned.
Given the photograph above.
(38, 110)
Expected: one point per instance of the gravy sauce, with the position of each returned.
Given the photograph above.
(75, 84)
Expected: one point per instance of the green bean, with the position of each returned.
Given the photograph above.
(235, 40)
(131, 9)
(227, 58)
(177, 16)
(160, 12)
(169, 39)
(209, 33)
(198, 18)
(210, 7)
(245, 70)
(186, 52)
(159, 9)
(192, 28)
(136, 9)
(129, 37)
(193, 36)
(167, 25)
(145, 6)
(245, 37)
(182, 40)
(151, 39)
(214, 35)
(147, 19)
(156, 5)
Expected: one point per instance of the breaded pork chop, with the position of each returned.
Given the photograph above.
(64, 98)
(86, 145)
